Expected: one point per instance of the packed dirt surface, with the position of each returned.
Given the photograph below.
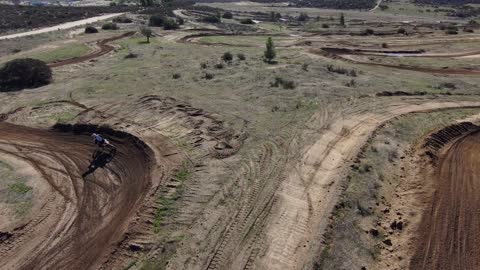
(89, 203)
(103, 48)
(448, 234)
(62, 26)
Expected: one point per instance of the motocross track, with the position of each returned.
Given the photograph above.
(336, 54)
(448, 234)
(103, 48)
(81, 217)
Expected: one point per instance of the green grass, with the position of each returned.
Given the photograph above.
(19, 188)
(18, 195)
(167, 201)
(66, 52)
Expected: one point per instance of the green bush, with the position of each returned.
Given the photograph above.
(227, 57)
(170, 24)
(303, 17)
(247, 21)
(122, 19)
(110, 26)
(227, 15)
(369, 31)
(24, 73)
(212, 19)
(401, 31)
(156, 20)
(241, 56)
(90, 30)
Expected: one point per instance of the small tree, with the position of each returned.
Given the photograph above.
(269, 53)
(170, 24)
(90, 30)
(303, 17)
(342, 20)
(147, 32)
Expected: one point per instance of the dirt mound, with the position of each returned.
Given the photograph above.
(448, 234)
(83, 216)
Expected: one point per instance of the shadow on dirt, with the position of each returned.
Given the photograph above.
(100, 160)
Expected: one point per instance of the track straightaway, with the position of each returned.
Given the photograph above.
(448, 235)
(83, 217)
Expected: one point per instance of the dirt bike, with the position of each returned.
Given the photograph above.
(106, 150)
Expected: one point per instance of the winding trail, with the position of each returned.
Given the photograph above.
(103, 48)
(85, 212)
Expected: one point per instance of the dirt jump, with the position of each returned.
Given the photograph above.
(88, 203)
(448, 234)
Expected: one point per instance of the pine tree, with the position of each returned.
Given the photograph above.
(342, 20)
(269, 51)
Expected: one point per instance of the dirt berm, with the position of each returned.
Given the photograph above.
(81, 218)
(448, 235)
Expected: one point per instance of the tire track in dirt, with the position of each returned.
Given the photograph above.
(84, 216)
(103, 48)
(308, 194)
(451, 71)
(448, 234)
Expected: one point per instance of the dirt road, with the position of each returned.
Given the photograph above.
(86, 210)
(448, 235)
(62, 26)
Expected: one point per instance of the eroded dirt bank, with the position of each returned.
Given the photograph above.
(86, 211)
(448, 234)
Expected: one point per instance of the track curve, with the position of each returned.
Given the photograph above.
(448, 235)
(82, 217)
(103, 48)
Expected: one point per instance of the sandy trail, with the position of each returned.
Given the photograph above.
(62, 26)
(448, 234)
(83, 216)
(279, 224)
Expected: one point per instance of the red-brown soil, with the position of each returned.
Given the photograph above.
(448, 234)
(86, 211)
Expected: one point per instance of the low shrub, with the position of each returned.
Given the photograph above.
(110, 26)
(324, 25)
(247, 21)
(122, 19)
(24, 73)
(90, 30)
(170, 24)
(176, 76)
(227, 57)
(227, 15)
(219, 66)
(340, 70)
(212, 19)
(156, 20)
(209, 76)
(241, 56)
(180, 21)
(203, 65)
(369, 32)
(401, 31)
(286, 84)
